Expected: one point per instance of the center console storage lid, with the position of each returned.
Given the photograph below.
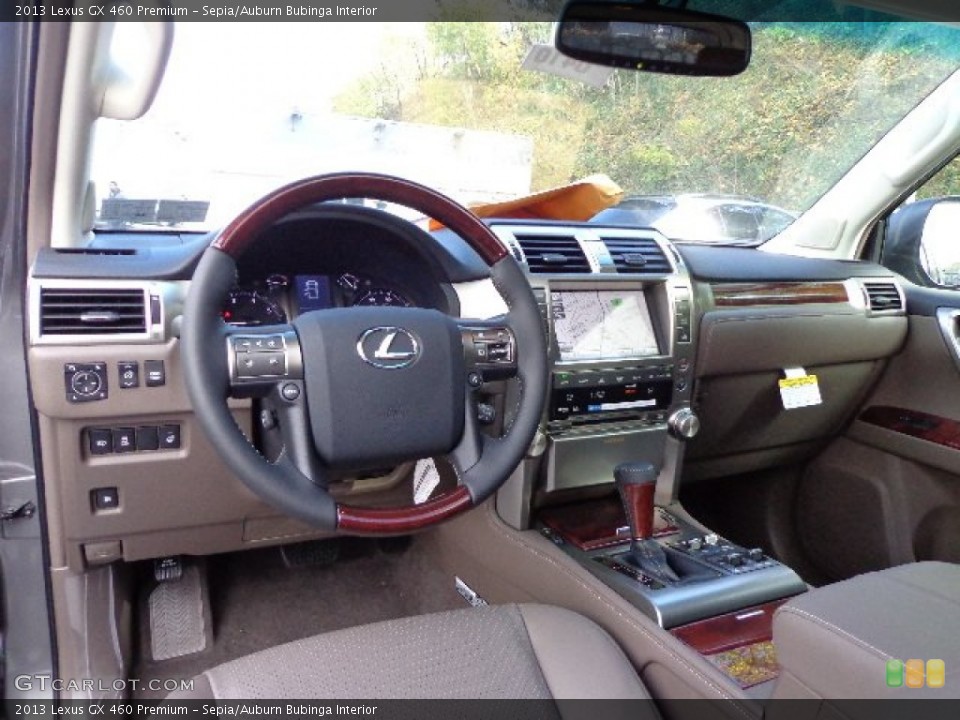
(835, 642)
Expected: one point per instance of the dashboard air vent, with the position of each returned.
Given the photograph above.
(97, 311)
(883, 296)
(637, 255)
(553, 254)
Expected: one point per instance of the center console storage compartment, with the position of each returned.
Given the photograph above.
(887, 634)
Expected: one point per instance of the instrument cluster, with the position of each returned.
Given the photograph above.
(279, 298)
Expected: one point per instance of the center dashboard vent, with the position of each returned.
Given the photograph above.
(883, 297)
(637, 255)
(95, 311)
(553, 254)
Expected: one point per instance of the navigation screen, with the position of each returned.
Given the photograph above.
(602, 325)
(313, 292)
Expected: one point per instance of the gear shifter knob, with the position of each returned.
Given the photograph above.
(637, 482)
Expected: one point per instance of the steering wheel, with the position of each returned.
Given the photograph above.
(364, 387)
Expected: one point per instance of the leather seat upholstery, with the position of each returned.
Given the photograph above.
(502, 652)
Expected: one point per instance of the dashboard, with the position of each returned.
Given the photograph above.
(640, 333)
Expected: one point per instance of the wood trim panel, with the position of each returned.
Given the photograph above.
(778, 293)
(731, 630)
(921, 425)
(247, 226)
(386, 521)
(595, 524)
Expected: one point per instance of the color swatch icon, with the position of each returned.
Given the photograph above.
(915, 673)
(936, 673)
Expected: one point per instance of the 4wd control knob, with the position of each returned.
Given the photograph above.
(684, 423)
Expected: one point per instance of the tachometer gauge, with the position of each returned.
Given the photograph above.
(250, 307)
(382, 297)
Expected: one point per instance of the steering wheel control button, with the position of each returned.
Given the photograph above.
(261, 364)
(124, 440)
(486, 414)
(155, 372)
(266, 343)
(170, 437)
(290, 391)
(85, 382)
(129, 372)
(148, 437)
(105, 498)
(100, 441)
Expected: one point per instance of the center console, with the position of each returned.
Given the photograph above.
(622, 332)
(621, 362)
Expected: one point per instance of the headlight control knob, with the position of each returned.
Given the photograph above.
(684, 423)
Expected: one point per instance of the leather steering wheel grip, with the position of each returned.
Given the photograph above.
(203, 340)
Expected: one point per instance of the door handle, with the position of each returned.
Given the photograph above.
(948, 319)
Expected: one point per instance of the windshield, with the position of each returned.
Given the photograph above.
(466, 109)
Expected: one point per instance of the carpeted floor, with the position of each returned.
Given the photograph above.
(257, 602)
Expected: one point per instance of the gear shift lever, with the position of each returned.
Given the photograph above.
(636, 482)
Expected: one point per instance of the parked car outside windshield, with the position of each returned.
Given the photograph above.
(718, 219)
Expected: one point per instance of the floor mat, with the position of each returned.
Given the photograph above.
(258, 603)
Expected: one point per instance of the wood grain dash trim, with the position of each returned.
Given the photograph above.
(921, 425)
(779, 293)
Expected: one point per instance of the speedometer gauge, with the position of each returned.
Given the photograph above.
(250, 307)
(382, 297)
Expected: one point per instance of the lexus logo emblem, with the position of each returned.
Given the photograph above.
(388, 348)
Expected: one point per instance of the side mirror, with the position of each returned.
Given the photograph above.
(645, 36)
(922, 243)
(940, 243)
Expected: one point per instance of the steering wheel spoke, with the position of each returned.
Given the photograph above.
(263, 358)
(288, 402)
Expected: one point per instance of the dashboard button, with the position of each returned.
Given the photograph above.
(124, 440)
(129, 372)
(155, 372)
(148, 437)
(85, 382)
(105, 498)
(100, 441)
(170, 437)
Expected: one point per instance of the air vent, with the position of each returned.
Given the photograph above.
(883, 297)
(637, 255)
(553, 254)
(96, 311)
(99, 252)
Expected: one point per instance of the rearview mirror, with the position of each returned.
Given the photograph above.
(643, 36)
